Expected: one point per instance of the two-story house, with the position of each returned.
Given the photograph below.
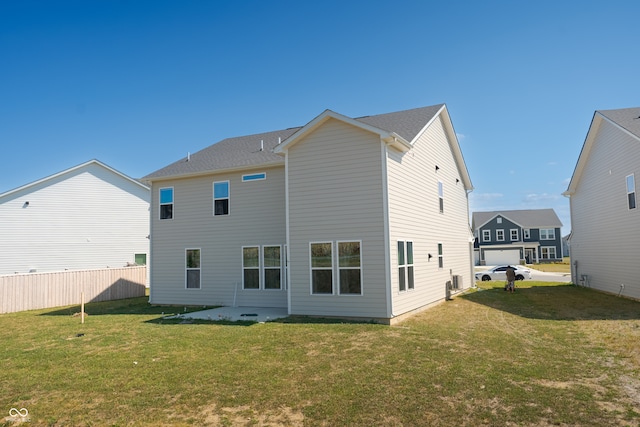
(348, 217)
(517, 236)
(605, 218)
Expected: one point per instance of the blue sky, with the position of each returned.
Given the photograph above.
(138, 84)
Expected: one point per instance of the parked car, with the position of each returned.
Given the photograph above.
(500, 273)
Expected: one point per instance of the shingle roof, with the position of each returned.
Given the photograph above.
(529, 218)
(244, 151)
(627, 118)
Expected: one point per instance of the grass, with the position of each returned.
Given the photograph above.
(550, 354)
(554, 267)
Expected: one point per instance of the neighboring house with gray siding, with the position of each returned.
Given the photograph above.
(517, 236)
(361, 218)
(605, 218)
(89, 216)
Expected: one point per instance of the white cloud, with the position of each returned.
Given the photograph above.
(534, 198)
(460, 136)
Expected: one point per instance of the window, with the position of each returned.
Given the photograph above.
(272, 267)
(486, 235)
(349, 268)
(441, 196)
(192, 263)
(547, 234)
(499, 220)
(527, 233)
(500, 235)
(254, 177)
(440, 256)
(251, 267)
(514, 234)
(548, 252)
(166, 203)
(140, 259)
(402, 281)
(221, 198)
(405, 265)
(631, 191)
(321, 268)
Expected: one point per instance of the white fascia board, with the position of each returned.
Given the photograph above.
(216, 171)
(72, 169)
(390, 138)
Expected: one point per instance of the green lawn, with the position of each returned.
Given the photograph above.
(549, 354)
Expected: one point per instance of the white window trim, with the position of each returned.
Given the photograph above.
(337, 260)
(499, 220)
(263, 283)
(547, 234)
(498, 239)
(312, 268)
(160, 204)
(548, 248)
(486, 235)
(626, 182)
(250, 177)
(187, 269)
(228, 198)
(440, 256)
(516, 233)
(441, 196)
(406, 265)
(251, 268)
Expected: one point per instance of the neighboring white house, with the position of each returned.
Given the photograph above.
(605, 218)
(88, 216)
(362, 218)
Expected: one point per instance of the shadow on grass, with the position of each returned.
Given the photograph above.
(555, 302)
(130, 306)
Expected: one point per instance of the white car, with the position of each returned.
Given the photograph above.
(500, 273)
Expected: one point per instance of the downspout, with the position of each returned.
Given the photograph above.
(387, 237)
(288, 255)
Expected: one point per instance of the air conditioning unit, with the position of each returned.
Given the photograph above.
(457, 282)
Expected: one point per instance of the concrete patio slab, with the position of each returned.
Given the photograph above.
(234, 314)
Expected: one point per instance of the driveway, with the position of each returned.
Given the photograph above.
(540, 276)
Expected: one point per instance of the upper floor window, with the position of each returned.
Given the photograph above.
(631, 191)
(440, 256)
(514, 234)
(547, 234)
(527, 233)
(441, 196)
(500, 235)
(221, 198)
(254, 177)
(486, 235)
(166, 203)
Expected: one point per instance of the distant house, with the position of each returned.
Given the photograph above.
(605, 218)
(361, 218)
(88, 216)
(517, 236)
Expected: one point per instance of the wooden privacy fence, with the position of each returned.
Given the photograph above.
(33, 291)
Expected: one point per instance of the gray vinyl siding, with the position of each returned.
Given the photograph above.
(605, 238)
(414, 214)
(335, 194)
(87, 218)
(256, 218)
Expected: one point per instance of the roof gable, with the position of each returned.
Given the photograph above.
(526, 218)
(85, 165)
(398, 129)
(627, 120)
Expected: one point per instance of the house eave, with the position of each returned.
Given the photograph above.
(214, 172)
